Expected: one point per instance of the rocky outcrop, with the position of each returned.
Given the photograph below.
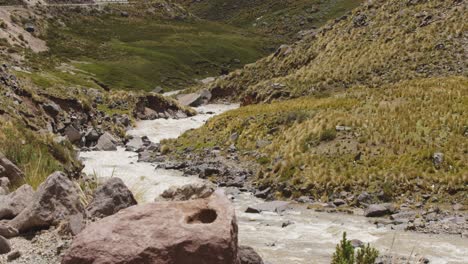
(188, 192)
(106, 143)
(194, 99)
(110, 198)
(378, 210)
(200, 231)
(155, 106)
(10, 170)
(14, 203)
(57, 199)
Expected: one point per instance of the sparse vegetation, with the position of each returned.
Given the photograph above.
(396, 128)
(37, 155)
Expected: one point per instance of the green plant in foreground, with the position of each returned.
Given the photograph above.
(344, 253)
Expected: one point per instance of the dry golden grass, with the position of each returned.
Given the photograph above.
(399, 41)
(396, 128)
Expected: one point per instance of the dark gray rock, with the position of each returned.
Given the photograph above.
(52, 109)
(110, 198)
(363, 198)
(13, 255)
(377, 210)
(263, 194)
(273, 206)
(14, 203)
(4, 245)
(72, 133)
(247, 255)
(56, 200)
(92, 136)
(339, 202)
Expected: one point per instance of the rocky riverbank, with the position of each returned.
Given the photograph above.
(227, 169)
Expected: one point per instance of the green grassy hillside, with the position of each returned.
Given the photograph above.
(280, 19)
(394, 130)
(126, 48)
(382, 42)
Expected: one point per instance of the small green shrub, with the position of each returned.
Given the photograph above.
(367, 255)
(344, 253)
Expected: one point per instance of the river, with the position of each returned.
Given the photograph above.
(312, 236)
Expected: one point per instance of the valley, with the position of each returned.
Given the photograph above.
(233, 132)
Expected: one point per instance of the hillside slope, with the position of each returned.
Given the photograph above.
(375, 101)
(280, 19)
(382, 42)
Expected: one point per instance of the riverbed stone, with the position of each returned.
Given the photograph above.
(110, 198)
(377, 210)
(14, 203)
(247, 255)
(273, 206)
(188, 192)
(4, 245)
(106, 142)
(56, 200)
(202, 231)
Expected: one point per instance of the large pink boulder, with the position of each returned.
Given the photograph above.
(202, 231)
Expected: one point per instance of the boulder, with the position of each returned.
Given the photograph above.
(72, 133)
(92, 135)
(8, 231)
(247, 255)
(377, 210)
(135, 144)
(110, 198)
(273, 206)
(188, 192)
(194, 99)
(10, 170)
(106, 143)
(14, 203)
(200, 231)
(52, 109)
(4, 246)
(56, 200)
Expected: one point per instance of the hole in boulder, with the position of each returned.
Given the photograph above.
(205, 216)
